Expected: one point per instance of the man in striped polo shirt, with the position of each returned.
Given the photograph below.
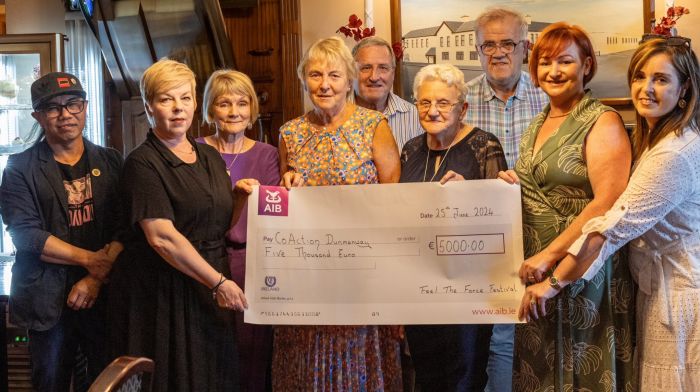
(376, 64)
(502, 101)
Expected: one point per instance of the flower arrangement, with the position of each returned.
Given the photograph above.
(355, 30)
(666, 25)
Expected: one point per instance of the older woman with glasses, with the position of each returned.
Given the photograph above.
(448, 357)
(575, 159)
(658, 215)
(336, 143)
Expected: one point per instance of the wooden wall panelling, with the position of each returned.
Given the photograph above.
(261, 51)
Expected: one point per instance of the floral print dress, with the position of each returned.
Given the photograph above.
(335, 358)
(586, 341)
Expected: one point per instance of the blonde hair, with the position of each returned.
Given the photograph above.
(227, 81)
(331, 50)
(447, 73)
(685, 63)
(165, 74)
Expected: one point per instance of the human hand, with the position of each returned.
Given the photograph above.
(84, 293)
(230, 296)
(533, 304)
(509, 176)
(292, 179)
(100, 263)
(451, 176)
(535, 268)
(244, 187)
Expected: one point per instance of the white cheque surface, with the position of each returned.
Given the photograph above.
(417, 253)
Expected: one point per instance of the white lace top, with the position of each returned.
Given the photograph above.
(660, 205)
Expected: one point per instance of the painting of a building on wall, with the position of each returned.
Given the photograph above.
(446, 33)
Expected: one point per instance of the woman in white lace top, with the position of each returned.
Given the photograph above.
(659, 215)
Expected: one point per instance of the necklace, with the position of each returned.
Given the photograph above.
(560, 115)
(235, 154)
(427, 158)
(172, 148)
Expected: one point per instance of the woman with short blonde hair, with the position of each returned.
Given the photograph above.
(173, 292)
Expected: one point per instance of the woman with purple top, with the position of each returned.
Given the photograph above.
(231, 106)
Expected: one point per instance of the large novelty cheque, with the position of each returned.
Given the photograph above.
(420, 253)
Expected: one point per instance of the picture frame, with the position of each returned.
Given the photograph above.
(610, 80)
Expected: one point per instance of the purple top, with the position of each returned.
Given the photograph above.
(261, 162)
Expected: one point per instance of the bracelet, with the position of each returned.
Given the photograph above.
(215, 289)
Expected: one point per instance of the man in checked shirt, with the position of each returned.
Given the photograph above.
(502, 101)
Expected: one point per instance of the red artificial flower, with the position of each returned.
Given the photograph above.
(354, 22)
(398, 50)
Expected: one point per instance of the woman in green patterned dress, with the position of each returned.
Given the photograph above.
(575, 160)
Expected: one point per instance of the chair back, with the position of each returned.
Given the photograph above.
(125, 374)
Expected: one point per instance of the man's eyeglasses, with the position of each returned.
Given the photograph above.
(670, 40)
(73, 107)
(489, 48)
(442, 106)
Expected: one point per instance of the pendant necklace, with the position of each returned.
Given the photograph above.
(235, 154)
(427, 158)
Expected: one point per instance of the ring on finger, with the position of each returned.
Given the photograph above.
(531, 278)
(533, 302)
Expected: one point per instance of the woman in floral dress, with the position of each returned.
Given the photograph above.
(336, 143)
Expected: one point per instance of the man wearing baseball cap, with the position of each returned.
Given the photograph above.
(60, 203)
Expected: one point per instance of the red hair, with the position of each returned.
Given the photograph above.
(555, 38)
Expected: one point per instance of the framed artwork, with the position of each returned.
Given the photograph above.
(447, 34)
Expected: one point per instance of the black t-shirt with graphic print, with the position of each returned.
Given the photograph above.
(77, 182)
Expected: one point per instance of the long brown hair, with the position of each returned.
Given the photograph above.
(685, 62)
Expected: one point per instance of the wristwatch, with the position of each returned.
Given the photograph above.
(554, 282)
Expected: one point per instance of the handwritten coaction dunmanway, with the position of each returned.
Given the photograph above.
(420, 253)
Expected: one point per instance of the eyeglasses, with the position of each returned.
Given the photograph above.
(489, 48)
(442, 106)
(55, 110)
(670, 40)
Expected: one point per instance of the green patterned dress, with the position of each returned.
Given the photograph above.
(586, 341)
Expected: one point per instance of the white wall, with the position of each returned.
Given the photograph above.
(35, 16)
(321, 18)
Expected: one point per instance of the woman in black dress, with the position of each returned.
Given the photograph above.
(448, 357)
(175, 295)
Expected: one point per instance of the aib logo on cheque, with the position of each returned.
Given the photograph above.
(273, 200)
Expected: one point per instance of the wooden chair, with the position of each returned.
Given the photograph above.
(125, 374)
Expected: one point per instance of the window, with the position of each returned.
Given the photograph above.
(445, 55)
(448, 41)
(441, 41)
(471, 39)
(473, 55)
(460, 55)
(462, 39)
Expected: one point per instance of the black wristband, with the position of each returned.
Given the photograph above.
(214, 289)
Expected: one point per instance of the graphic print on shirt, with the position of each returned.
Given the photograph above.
(80, 202)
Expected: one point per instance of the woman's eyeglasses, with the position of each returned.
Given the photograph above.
(441, 106)
(669, 40)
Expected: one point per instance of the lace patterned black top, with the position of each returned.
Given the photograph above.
(478, 156)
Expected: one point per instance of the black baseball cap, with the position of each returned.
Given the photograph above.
(54, 84)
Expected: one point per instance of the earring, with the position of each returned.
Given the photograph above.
(682, 103)
(250, 125)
